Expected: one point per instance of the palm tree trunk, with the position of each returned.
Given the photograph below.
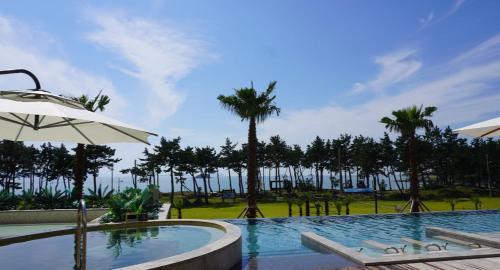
(218, 180)
(195, 186)
(79, 170)
(340, 173)
(205, 185)
(94, 175)
(252, 168)
(230, 181)
(414, 176)
(172, 185)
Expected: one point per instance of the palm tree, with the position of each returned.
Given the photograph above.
(407, 121)
(255, 108)
(93, 105)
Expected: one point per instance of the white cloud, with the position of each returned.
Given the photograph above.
(158, 55)
(457, 4)
(462, 94)
(485, 51)
(425, 21)
(394, 68)
(56, 74)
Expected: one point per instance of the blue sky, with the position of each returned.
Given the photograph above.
(340, 65)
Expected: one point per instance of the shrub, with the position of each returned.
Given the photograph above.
(8, 201)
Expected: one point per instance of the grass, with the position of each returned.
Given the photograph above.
(218, 210)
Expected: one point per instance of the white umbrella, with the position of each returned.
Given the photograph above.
(488, 128)
(43, 116)
(38, 115)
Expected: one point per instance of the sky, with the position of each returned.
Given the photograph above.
(340, 65)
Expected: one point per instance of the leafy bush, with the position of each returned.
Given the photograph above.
(131, 200)
(50, 199)
(8, 201)
(98, 198)
(27, 200)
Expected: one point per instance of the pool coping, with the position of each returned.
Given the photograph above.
(370, 215)
(482, 239)
(223, 253)
(314, 240)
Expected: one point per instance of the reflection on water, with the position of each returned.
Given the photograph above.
(129, 237)
(252, 243)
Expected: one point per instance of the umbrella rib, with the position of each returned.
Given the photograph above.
(61, 124)
(125, 133)
(41, 120)
(489, 132)
(22, 120)
(15, 122)
(79, 131)
(21, 128)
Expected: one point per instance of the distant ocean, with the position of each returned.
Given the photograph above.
(121, 182)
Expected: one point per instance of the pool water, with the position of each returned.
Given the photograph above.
(281, 236)
(109, 249)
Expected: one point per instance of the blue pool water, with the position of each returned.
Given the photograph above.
(267, 243)
(108, 249)
(271, 237)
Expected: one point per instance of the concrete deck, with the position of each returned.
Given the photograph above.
(164, 211)
(470, 264)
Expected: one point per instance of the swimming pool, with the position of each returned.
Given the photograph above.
(281, 236)
(109, 249)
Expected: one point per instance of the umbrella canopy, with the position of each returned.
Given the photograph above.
(38, 115)
(43, 116)
(488, 128)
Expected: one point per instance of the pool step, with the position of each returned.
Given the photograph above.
(427, 246)
(472, 245)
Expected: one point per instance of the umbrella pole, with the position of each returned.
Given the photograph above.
(79, 170)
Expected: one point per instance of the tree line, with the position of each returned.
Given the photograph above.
(348, 161)
(33, 168)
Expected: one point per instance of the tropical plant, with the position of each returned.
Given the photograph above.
(299, 201)
(317, 205)
(178, 204)
(51, 199)
(454, 202)
(347, 200)
(99, 197)
(406, 122)
(8, 201)
(478, 204)
(27, 200)
(326, 201)
(142, 203)
(289, 202)
(338, 205)
(255, 108)
(307, 199)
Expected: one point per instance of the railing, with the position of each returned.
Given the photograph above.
(81, 237)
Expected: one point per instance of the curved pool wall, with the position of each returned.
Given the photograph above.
(222, 253)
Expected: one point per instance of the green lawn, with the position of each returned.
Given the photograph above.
(218, 210)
